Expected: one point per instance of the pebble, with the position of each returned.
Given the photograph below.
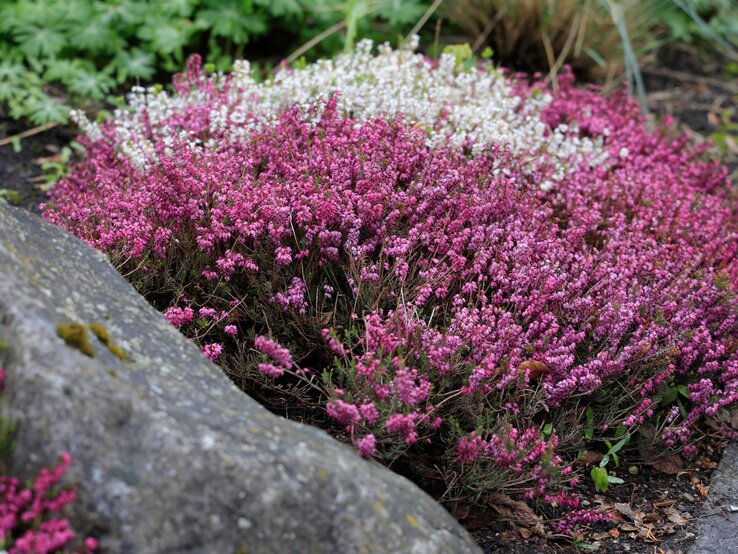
(688, 497)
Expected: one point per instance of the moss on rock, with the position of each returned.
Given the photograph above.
(75, 335)
(103, 336)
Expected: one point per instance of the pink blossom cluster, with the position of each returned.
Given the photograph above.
(27, 520)
(453, 302)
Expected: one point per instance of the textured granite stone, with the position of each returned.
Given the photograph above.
(169, 456)
(717, 531)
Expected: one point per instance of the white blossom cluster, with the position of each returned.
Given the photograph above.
(455, 107)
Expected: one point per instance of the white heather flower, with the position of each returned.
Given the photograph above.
(456, 108)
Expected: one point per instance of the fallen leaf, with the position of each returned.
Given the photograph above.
(675, 517)
(591, 457)
(625, 509)
(537, 368)
(629, 527)
(516, 511)
(706, 463)
(651, 517)
(671, 464)
(614, 533)
(648, 536)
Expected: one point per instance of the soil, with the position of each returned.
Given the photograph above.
(701, 93)
(20, 171)
(655, 510)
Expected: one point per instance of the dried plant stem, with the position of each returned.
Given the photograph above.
(29, 133)
(315, 41)
(424, 19)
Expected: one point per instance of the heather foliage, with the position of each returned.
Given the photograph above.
(455, 304)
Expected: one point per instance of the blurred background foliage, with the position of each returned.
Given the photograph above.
(55, 54)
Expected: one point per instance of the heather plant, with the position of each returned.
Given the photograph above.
(463, 306)
(452, 102)
(28, 515)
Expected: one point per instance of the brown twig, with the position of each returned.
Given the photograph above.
(422, 21)
(315, 41)
(699, 79)
(29, 132)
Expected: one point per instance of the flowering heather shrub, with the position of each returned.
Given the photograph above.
(27, 514)
(441, 301)
(470, 109)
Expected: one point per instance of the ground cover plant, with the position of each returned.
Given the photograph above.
(475, 276)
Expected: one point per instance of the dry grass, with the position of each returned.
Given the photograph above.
(546, 34)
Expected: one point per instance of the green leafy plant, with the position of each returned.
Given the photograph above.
(705, 23)
(602, 480)
(57, 54)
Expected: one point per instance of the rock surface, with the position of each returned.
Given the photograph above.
(168, 455)
(717, 532)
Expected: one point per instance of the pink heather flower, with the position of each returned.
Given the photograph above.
(283, 255)
(27, 516)
(411, 387)
(273, 350)
(206, 313)
(343, 412)
(567, 525)
(335, 346)
(2, 378)
(369, 412)
(212, 351)
(271, 370)
(366, 446)
(294, 297)
(469, 448)
(401, 424)
(230, 330)
(179, 316)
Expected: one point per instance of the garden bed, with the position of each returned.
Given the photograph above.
(661, 496)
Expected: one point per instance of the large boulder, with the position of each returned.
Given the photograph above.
(168, 455)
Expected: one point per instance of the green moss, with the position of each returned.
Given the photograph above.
(75, 335)
(3, 345)
(100, 332)
(117, 351)
(12, 197)
(103, 336)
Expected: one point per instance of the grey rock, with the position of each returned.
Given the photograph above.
(168, 455)
(717, 532)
